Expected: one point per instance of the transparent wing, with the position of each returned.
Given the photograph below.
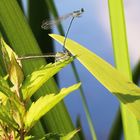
(48, 24)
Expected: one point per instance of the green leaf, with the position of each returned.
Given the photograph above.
(8, 93)
(34, 81)
(15, 73)
(3, 81)
(44, 104)
(70, 135)
(123, 88)
(12, 65)
(4, 89)
(10, 103)
(18, 110)
(8, 52)
(3, 98)
(6, 117)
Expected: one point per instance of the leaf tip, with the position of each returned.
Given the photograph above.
(57, 37)
(53, 35)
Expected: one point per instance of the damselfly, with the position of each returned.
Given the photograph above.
(59, 56)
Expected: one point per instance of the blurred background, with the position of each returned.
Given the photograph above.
(92, 30)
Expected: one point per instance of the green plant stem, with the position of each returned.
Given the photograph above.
(21, 135)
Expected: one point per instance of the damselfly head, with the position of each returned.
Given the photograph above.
(78, 12)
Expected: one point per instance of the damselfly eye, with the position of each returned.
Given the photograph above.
(82, 10)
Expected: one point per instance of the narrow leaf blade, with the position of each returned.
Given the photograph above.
(126, 91)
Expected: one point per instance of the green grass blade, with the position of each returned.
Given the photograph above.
(117, 21)
(19, 35)
(119, 36)
(117, 124)
(20, 4)
(37, 12)
(117, 83)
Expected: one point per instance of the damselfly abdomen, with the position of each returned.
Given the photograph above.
(59, 56)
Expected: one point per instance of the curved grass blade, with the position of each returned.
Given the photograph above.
(117, 83)
(120, 47)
